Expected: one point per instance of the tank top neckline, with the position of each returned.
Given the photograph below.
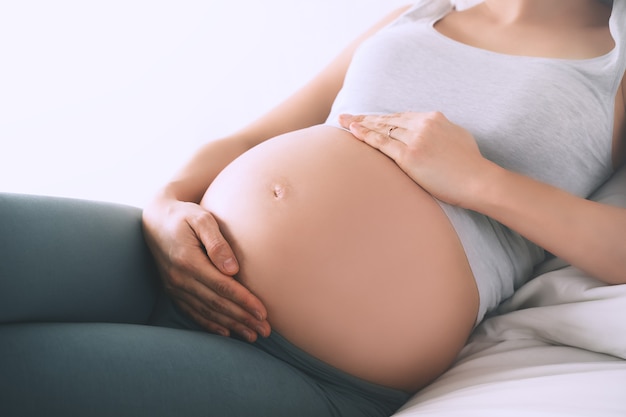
(572, 61)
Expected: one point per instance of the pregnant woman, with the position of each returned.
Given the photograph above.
(353, 237)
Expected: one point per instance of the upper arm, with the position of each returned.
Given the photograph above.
(311, 104)
(307, 107)
(333, 75)
(619, 139)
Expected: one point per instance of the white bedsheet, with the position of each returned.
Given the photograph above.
(556, 348)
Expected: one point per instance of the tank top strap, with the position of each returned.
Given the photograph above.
(617, 25)
(425, 10)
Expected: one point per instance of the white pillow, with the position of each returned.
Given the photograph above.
(614, 190)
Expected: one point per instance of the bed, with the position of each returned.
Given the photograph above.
(556, 348)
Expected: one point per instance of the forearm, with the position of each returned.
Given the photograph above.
(587, 234)
(307, 107)
(190, 182)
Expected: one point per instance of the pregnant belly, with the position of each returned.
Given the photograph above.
(355, 263)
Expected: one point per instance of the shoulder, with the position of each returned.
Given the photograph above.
(426, 9)
(620, 146)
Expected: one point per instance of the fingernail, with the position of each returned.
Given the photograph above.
(259, 316)
(260, 330)
(230, 265)
(248, 335)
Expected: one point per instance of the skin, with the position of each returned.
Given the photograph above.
(197, 263)
(330, 266)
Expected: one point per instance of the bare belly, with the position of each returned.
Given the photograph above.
(355, 263)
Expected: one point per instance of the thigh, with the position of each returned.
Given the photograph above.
(135, 370)
(73, 260)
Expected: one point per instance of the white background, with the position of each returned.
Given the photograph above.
(105, 100)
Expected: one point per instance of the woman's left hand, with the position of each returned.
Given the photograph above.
(440, 156)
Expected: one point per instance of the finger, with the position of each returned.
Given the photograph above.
(346, 119)
(221, 283)
(210, 306)
(393, 126)
(380, 122)
(381, 141)
(222, 292)
(220, 324)
(211, 326)
(195, 274)
(375, 122)
(217, 248)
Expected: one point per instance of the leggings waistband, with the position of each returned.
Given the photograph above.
(387, 400)
(344, 391)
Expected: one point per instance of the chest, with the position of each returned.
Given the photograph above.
(545, 118)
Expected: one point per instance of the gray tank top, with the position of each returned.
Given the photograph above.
(550, 119)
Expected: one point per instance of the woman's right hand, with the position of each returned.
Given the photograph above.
(197, 266)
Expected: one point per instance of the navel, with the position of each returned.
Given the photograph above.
(279, 191)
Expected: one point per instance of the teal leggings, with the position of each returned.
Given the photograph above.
(85, 330)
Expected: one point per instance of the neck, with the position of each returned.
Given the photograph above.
(555, 12)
